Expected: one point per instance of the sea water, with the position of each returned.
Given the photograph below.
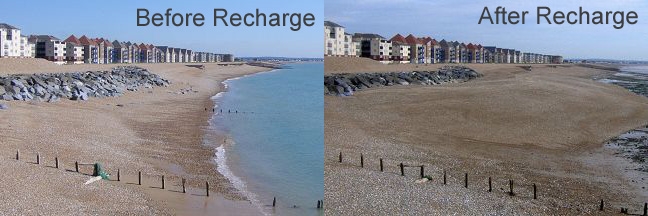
(632, 77)
(276, 122)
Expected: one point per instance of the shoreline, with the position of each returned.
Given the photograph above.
(225, 169)
(252, 158)
(156, 131)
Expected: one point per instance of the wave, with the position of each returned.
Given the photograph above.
(221, 156)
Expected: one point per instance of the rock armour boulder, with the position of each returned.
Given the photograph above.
(50, 87)
(346, 84)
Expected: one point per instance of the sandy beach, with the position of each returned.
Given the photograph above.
(546, 127)
(156, 131)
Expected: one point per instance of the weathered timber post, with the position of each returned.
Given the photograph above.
(511, 188)
(139, 178)
(18, 155)
(535, 196)
(207, 188)
(162, 181)
(76, 166)
(56, 162)
(490, 185)
(183, 186)
(37, 158)
(118, 175)
(466, 180)
(402, 168)
(381, 164)
(361, 160)
(444, 177)
(274, 201)
(340, 157)
(422, 171)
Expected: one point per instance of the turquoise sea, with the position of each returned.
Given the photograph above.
(276, 122)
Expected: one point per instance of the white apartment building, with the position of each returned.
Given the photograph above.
(13, 44)
(49, 47)
(74, 50)
(336, 41)
(401, 52)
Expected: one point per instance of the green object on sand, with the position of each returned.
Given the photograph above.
(98, 171)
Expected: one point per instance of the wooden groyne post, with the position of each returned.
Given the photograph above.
(602, 205)
(118, 177)
(207, 188)
(422, 171)
(361, 160)
(18, 155)
(645, 209)
(139, 178)
(76, 166)
(183, 186)
(490, 185)
(340, 157)
(402, 169)
(535, 196)
(466, 180)
(274, 201)
(37, 158)
(444, 177)
(511, 188)
(56, 162)
(162, 181)
(381, 164)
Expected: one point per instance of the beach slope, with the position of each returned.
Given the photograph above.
(545, 126)
(156, 131)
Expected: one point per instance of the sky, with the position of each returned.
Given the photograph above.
(458, 20)
(118, 20)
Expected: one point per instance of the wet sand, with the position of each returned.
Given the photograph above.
(545, 127)
(155, 131)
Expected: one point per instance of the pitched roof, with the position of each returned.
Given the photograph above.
(398, 38)
(107, 43)
(72, 39)
(332, 24)
(410, 39)
(117, 44)
(367, 35)
(425, 40)
(42, 38)
(86, 41)
(7, 26)
(143, 47)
